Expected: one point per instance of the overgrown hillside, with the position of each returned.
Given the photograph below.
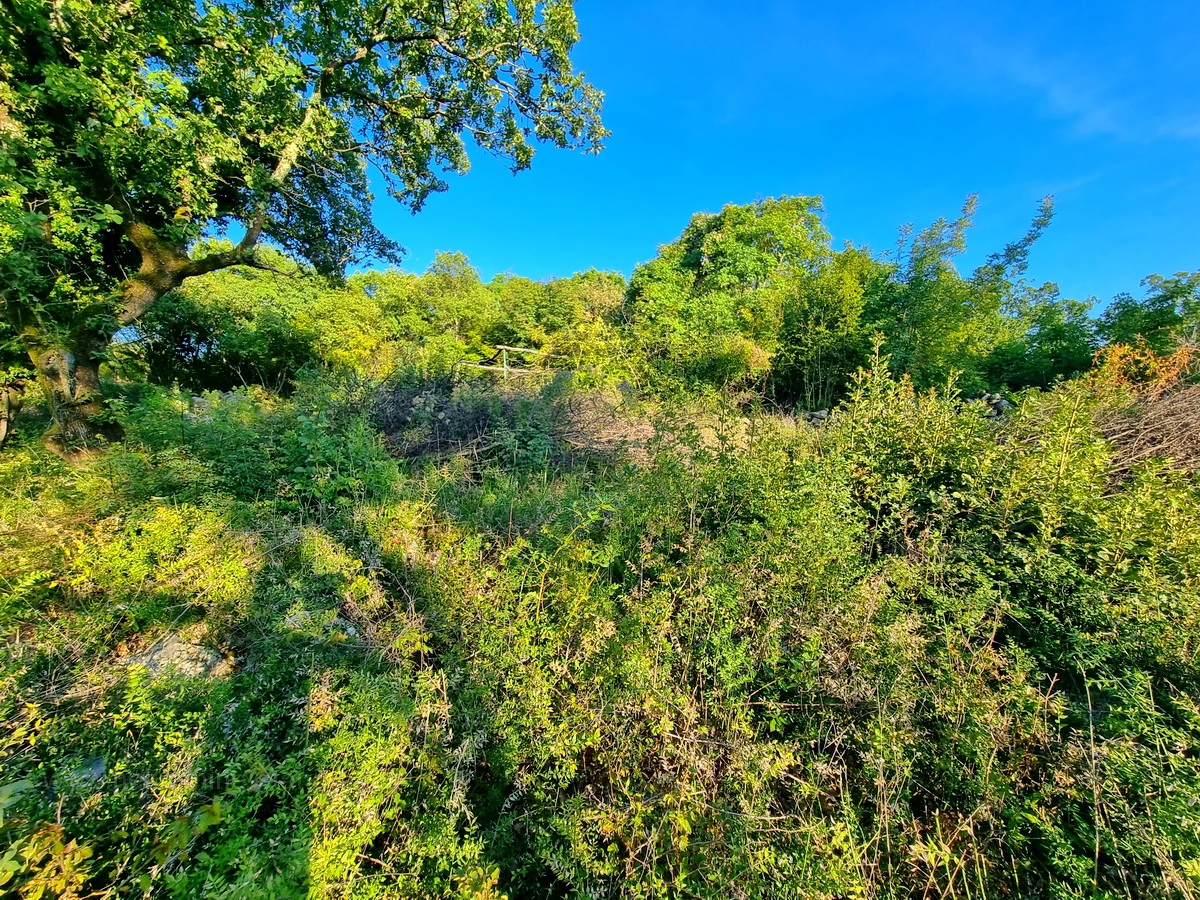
(416, 586)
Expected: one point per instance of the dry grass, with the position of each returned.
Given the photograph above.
(1164, 427)
(1163, 421)
(600, 424)
(471, 418)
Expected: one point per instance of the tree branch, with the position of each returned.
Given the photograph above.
(164, 267)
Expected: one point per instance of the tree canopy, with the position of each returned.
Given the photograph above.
(756, 295)
(707, 309)
(1170, 309)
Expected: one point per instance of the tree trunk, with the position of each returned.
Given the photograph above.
(70, 378)
(11, 397)
(68, 366)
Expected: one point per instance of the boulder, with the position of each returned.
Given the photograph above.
(996, 405)
(173, 654)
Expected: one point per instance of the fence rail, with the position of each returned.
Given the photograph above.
(501, 356)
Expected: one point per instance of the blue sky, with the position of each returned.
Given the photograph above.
(892, 112)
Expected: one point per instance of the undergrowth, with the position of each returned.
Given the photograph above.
(914, 652)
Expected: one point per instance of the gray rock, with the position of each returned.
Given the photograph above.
(995, 405)
(199, 409)
(172, 654)
(300, 619)
(89, 771)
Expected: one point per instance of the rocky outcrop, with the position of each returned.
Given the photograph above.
(174, 655)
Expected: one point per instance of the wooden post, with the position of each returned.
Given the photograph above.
(504, 357)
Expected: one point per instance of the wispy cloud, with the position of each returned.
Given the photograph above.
(1070, 95)
(1102, 85)
(1186, 128)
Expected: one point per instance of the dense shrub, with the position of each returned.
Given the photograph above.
(916, 651)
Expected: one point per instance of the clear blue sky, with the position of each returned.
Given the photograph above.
(892, 112)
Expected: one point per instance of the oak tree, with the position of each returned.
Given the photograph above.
(129, 129)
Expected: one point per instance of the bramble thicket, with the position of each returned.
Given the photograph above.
(776, 570)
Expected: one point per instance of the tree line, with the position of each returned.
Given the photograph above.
(753, 301)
